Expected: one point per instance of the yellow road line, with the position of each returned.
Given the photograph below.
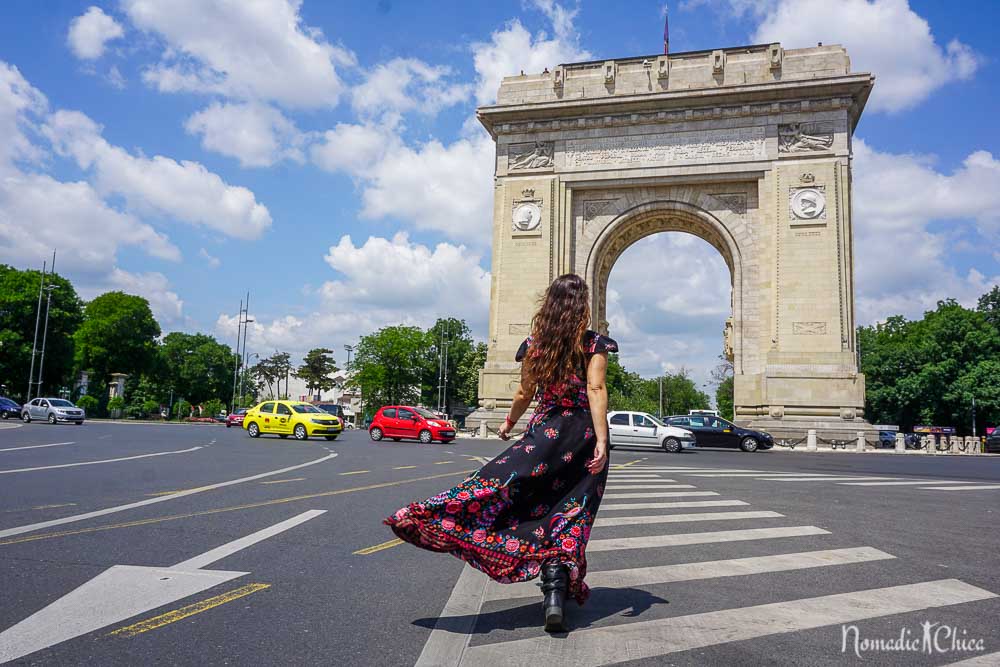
(184, 612)
(403, 467)
(265, 503)
(441, 463)
(168, 493)
(354, 472)
(378, 547)
(282, 481)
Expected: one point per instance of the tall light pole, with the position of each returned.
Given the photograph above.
(349, 348)
(660, 382)
(45, 329)
(246, 363)
(239, 358)
(34, 344)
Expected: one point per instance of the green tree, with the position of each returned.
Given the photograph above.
(989, 306)
(724, 401)
(390, 365)
(467, 375)
(630, 391)
(118, 335)
(449, 345)
(18, 307)
(197, 367)
(928, 370)
(316, 369)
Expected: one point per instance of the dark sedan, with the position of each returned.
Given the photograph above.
(992, 445)
(9, 408)
(717, 432)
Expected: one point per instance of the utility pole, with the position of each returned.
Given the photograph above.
(239, 358)
(973, 416)
(446, 342)
(34, 344)
(45, 329)
(660, 381)
(246, 358)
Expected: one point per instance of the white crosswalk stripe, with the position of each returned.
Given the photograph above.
(657, 494)
(649, 639)
(643, 506)
(962, 488)
(908, 482)
(678, 504)
(601, 522)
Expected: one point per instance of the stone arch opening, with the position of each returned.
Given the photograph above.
(655, 217)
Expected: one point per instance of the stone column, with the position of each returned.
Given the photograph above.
(932, 444)
(811, 440)
(900, 443)
(861, 442)
(955, 442)
(482, 428)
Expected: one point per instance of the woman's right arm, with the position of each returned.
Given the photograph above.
(522, 399)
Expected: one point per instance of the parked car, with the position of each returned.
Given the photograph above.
(235, 418)
(53, 410)
(992, 445)
(295, 418)
(9, 408)
(887, 438)
(644, 430)
(404, 421)
(717, 432)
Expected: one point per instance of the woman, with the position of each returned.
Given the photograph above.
(529, 511)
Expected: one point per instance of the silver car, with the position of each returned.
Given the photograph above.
(53, 410)
(643, 429)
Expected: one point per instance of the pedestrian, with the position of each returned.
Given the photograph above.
(529, 511)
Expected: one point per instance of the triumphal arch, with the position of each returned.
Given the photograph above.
(748, 148)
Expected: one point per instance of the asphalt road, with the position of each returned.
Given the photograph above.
(272, 552)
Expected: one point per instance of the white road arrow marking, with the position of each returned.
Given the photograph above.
(124, 591)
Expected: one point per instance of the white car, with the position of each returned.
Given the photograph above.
(643, 429)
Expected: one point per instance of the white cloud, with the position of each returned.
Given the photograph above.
(407, 84)
(384, 282)
(39, 213)
(355, 148)
(885, 37)
(212, 261)
(90, 32)
(514, 49)
(256, 134)
(19, 103)
(185, 190)
(248, 51)
(898, 199)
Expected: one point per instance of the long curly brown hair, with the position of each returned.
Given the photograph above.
(557, 332)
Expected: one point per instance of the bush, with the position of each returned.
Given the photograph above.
(212, 408)
(150, 407)
(88, 403)
(115, 406)
(182, 409)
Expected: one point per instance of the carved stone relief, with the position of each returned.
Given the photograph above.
(532, 155)
(737, 202)
(595, 208)
(807, 203)
(809, 328)
(640, 150)
(519, 329)
(805, 137)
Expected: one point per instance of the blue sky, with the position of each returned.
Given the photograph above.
(325, 156)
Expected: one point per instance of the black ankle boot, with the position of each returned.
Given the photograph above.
(555, 582)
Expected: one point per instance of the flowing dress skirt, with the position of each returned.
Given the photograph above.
(534, 502)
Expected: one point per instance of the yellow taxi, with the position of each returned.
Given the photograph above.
(291, 418)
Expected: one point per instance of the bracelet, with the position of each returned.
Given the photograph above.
(507, 420)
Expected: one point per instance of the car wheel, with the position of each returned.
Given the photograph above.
(375, 434)
(672, 445)
(253, 430)
(300, 432)
(4, 416)
(330, 437)
(52, 418)
(749, 444)
(25, 417)
(425, 436)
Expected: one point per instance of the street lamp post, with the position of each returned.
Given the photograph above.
(45, 329)
(239, 358)
(660, 381)
(34, 344)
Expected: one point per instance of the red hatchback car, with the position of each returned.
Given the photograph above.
(403, 421)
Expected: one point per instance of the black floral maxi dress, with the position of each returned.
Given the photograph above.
(534, 502)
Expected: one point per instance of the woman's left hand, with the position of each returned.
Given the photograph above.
(600, 459)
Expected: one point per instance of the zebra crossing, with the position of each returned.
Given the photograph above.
(694, 472)
(632, 533)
